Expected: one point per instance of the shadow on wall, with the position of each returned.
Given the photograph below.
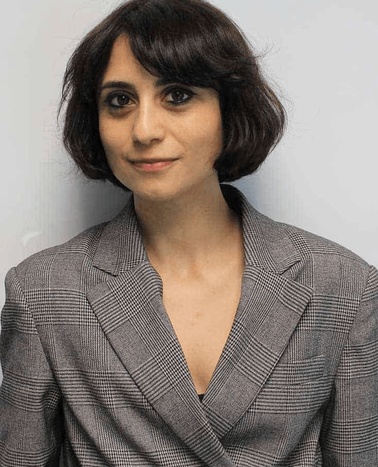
(76, 205)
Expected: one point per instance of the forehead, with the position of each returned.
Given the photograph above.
(122, 63)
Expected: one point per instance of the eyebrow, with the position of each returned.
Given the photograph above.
(131, 87)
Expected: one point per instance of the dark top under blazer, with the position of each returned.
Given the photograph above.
(92, 366)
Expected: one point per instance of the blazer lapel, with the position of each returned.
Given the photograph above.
(270, 308)
(129, 308)
(268, 313)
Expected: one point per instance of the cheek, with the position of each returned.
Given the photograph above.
(104, 134)
(209, 136)
(111, 146)
(112, 138)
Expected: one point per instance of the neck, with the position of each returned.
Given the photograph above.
(187, 230)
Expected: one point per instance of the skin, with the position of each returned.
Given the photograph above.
(161, 141)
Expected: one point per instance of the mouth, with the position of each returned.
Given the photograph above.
(152, 165)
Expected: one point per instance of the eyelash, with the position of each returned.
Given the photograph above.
(116, 94)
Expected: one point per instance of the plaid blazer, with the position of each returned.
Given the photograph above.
(94, 374)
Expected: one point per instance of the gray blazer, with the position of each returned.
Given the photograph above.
(94, 374)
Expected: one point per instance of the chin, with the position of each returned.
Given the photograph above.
(156, 194)
(171, 189)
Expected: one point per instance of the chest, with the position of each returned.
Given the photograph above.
(202, 312)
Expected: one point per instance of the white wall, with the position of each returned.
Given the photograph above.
(322, 177)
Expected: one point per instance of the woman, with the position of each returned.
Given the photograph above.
(190, 330)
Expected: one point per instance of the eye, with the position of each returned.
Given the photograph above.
(118, 100)
(179, 96)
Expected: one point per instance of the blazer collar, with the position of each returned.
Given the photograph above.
(266, 243)
(130, 310)
(120, 247)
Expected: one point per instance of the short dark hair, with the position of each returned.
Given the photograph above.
(188, 41)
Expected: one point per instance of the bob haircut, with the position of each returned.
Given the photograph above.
(185, 41)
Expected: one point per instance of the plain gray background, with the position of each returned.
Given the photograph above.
(320, 56)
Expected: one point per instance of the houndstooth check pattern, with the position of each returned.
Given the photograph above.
(94, 374)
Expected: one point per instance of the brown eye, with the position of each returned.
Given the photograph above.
(118, 100)
(179, 96)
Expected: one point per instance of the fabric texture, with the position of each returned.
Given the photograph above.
(95, 376)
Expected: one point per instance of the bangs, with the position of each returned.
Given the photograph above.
(171, 40)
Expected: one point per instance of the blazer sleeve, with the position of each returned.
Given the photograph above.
(31, 426)
(350, 433)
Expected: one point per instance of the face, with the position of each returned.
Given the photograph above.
(161, 139)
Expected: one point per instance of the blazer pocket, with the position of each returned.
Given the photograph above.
(294, 388)
(297, 372)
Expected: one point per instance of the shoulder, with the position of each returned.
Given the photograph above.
(323, 264)
(87, 259)
(63, 260)
(310, 244)
(305, 257)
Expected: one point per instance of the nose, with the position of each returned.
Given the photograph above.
(148, 126)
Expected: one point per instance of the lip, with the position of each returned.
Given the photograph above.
(152, 165)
